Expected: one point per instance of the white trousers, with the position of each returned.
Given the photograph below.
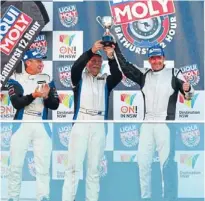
(90, 138)
(153, 137)
(42, 147)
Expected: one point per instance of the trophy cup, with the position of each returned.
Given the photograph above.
(41, 80)
(106, 22)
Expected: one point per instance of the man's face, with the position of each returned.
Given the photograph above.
(94, 65)
(35, 65)
(156, 62)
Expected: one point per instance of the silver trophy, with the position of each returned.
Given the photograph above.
(106, 22)
(41, 80)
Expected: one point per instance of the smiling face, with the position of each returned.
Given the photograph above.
(157, 62)
(94, 65)
(34, 66)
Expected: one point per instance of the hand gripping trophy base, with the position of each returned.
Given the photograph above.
(108, 41)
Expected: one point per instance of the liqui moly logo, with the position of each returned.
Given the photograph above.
(40, 44)
(126, 11)
(129, 135)
(13, 25)
(140, 24)
(68, 15)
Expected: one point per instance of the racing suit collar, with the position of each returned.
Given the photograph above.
(25, 74)
(29, 76)
(98, 75)
(158, 70)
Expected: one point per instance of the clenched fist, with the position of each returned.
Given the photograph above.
(186, 86)
(97, 46)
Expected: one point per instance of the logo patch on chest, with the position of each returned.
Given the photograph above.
(100, 78)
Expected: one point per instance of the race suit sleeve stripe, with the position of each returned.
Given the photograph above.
(129, 70)
(16, 95)
(116, 75)
(179, 84)
(78, 67)
(106, 103)
(52, 102)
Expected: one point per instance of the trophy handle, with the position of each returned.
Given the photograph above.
(99, 20)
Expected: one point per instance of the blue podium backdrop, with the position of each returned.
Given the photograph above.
(178, 26)
(119, 165)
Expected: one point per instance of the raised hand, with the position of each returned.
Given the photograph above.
(186, 86)
(97, 46)
(109, 51)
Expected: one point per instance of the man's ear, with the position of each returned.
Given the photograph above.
(27, 63)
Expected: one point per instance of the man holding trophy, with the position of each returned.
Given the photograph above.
(160, 87)
(31, 95)
(91, 95)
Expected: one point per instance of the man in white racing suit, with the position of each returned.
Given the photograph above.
(91, 93)
(160, 87)
(31, 94)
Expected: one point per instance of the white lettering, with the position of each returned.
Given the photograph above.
(151, 9)
(7, 42)
(124, 12)
(164, 5)
(144, 9)
(14, 34)
(22, 20)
